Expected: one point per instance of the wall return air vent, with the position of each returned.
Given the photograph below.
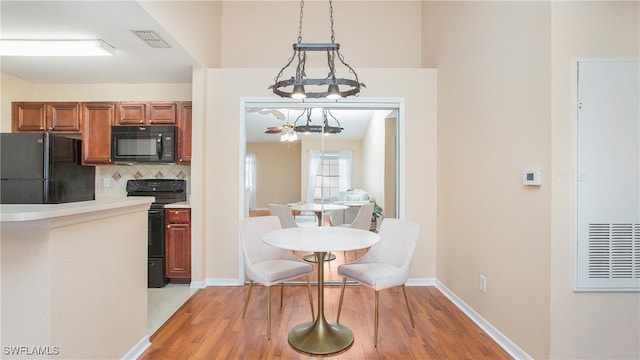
(151, 38)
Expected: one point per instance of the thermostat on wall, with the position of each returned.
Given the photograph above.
(531, 177)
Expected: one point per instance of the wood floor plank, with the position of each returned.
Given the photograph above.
(210, 326)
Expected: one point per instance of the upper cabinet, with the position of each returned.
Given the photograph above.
(93, 120)
(49, 116)
(96, 138)
(184, 132)
(147, 113)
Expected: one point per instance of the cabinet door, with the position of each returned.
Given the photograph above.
(98, 118)
(162, 113)
(178, 244)
(184, 132)
(28, 116)
(132, 113)
(64, 117)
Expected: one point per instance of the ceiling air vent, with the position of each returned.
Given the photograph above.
(151, 38)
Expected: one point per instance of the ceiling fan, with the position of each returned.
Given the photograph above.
(278, 129)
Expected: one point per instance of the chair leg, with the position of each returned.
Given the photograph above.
(313, 315)
(375, 320)
(268, 312)
(406, 300)
(246, 300)
(281, 293)
(344, 282)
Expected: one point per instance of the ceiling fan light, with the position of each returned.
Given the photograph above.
(298, 92)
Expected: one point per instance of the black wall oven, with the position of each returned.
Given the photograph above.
(143, 144)
(165, 191)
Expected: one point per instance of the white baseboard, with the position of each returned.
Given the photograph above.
(197, 285)
(223, 282)
(137, 349)
(504, 342)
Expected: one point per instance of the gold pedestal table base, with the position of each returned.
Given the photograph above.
(320, 337)
(312, 257)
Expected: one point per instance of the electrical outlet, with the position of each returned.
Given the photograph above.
(106, 182)
(483, 284)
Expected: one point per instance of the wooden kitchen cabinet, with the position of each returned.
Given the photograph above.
(147, 113)
(98, 118)
(184, 132)
(178, 245)
(46, 116)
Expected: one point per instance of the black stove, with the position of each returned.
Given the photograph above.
(165, 191)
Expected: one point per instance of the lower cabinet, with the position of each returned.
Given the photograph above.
(178, 245)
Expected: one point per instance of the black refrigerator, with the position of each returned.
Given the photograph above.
(43, 168)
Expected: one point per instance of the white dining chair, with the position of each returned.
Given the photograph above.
(362, 219)
(385, 265)
(283, 212)
(268, 265)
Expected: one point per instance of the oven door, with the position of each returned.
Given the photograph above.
(143, 144)
(156, 232)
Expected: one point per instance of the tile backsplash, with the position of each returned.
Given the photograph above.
(116, 176)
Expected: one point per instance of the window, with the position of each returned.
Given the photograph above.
(327, 182)
(250, 178)
(329, 174)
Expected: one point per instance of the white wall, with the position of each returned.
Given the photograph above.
(505, 103)
(584, 325)
(225, 89)
(76, 283)
(493, 61)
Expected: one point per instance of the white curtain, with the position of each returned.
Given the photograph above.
(345, 159)
(314, 160)
(250, 178)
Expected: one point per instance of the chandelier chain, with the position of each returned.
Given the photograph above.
(333, 34)
(300, 25)
(300, 80)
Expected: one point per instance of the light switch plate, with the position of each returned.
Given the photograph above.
(531, 177)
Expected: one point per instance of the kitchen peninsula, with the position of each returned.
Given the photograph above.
(74, 278)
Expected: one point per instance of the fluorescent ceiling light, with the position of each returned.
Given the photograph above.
(56, 48)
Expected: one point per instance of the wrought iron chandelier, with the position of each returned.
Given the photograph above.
(323, 128)
(298, 85)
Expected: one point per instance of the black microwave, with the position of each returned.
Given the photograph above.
(143, 144)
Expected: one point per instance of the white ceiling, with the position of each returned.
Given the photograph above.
(134, 63)
(353, 121)
(112, 21)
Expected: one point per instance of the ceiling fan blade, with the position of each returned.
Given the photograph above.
(274, 130)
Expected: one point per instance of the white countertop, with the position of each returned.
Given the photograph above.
(33, 212)
(178, 205)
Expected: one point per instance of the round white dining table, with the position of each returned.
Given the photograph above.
(321, 337)
(318, 209)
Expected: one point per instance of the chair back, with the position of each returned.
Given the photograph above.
(363, 218)
(397, 245)
(254, 249)
(283, 212)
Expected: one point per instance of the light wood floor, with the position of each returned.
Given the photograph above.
(210, 325)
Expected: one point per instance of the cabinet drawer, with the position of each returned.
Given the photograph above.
(178, 216)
